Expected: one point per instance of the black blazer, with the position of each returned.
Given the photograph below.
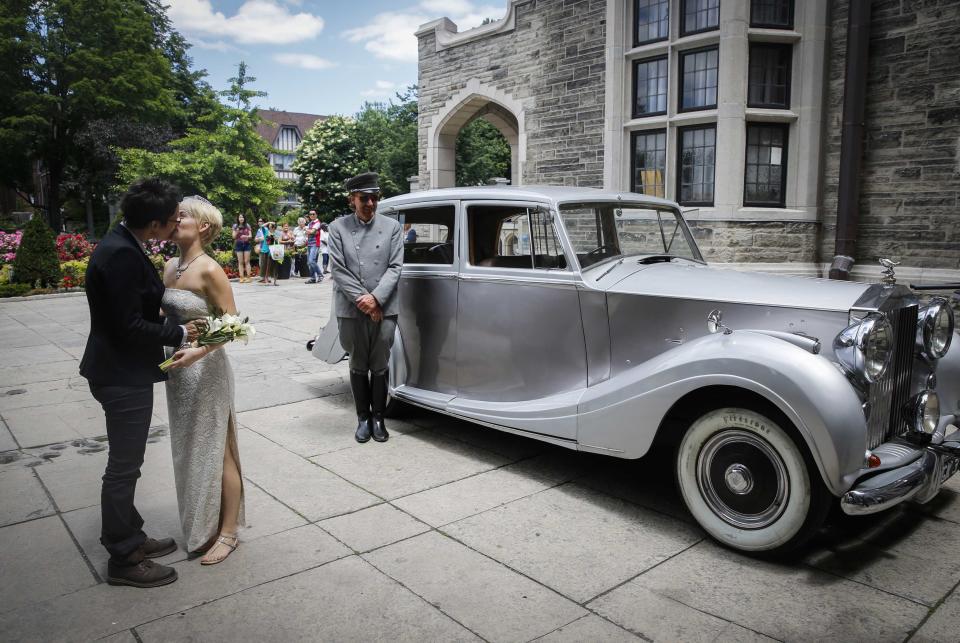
(126, 335)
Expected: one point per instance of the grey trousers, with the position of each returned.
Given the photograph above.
(367, 341)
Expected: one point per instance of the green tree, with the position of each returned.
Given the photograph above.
(387, 139)
(327, 156)
(222, 159)
(482, 153)
(36, 263)
(80, 60)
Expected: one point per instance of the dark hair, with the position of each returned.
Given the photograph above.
(244, 218)
(147, 200)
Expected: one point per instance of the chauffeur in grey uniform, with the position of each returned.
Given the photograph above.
(366, 252)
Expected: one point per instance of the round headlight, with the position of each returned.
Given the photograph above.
(926, 412)
(864, 348)
(935, 330)
(877, 346)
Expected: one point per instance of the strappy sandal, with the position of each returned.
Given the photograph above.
(223, 539)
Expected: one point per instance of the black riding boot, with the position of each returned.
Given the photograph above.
(378, 402)
(361, 395)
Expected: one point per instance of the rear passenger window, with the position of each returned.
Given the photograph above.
(428, 234)
(505, 236)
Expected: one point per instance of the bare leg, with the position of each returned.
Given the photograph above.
(231, 494)
(245, 258)
(239, 265)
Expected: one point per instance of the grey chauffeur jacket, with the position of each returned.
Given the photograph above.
(365, 258)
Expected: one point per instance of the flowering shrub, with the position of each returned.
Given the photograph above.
(74, 273)
(233, 274)
(158, 261)
(9, 243)
(223, 257)
(73, 246)
(5, 272)
(165, 249)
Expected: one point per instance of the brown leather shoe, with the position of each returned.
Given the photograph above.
(153, 548)
(145, 573)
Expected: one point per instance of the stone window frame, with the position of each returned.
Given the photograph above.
(664, 58)
(634, 135)
(679, 165)
(636, 40)
(791, 12)
(784, 163)
(786, 62)
(683, 13)
(681, 70)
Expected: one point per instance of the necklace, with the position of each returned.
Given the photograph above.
(182, 269)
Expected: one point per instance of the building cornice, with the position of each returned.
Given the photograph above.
(447, 35)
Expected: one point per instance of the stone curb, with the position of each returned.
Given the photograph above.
(53, 295)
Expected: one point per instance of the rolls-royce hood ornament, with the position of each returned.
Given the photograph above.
(889, 277)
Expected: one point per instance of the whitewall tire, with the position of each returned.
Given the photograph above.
(747, 482)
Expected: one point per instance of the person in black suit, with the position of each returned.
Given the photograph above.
(120, 363)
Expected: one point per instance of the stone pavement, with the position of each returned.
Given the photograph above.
(449, 531)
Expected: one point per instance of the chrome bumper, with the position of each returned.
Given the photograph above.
(919, 480)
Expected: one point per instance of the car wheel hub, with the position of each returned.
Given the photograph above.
(742, 479)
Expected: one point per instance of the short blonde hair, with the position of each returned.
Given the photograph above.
(204, 212)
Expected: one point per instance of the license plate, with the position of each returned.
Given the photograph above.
(949, 468)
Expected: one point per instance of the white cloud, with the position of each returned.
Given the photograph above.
(382, 88)
(255, 22)
(390, 35)
(216, 45)
(304, 61)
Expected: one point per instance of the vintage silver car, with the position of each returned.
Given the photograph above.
(590, 320)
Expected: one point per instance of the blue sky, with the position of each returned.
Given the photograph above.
(317, 56)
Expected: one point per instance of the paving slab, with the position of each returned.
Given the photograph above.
(788, 602)
(42, 394)
(58, 422)
(26, 357)
(320, 605)
(39, 562)
(409, 463)
(373, 527)
(941, 626)
(13, 376)
(509, 445)
(896, 553)
(475, 494)
(308, 489)
(22, 497)
(658, 618)
(945, 506)
(7, 443)
(491, 600)
(575, 540)
(74, 479)
(313, 426)
(589, 628)
(102, 610)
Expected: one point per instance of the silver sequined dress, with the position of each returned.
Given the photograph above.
(202, 425)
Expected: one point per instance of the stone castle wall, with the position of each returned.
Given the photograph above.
(910, 190)
(552, 62)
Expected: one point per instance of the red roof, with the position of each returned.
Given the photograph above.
(274, 120)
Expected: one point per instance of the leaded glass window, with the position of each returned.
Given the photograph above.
(698, 75)
(650, 87)
(769, 77)
(651, 21)
(765, 177)
(699, 15)
(771, 14)
(696, 163)
(649, 162)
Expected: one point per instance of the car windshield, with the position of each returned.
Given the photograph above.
(601, 231)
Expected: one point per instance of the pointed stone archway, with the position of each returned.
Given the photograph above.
(476, 100)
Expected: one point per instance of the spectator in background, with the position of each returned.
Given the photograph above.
(241, 247)
(313, 248)
(409, 233)
(261, 247)
(325, 248)
(300, 241)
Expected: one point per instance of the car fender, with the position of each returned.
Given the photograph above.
(622, 415)
(948, 378)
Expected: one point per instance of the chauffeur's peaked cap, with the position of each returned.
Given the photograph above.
(366, 182)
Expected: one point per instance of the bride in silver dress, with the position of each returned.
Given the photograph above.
(200, 392)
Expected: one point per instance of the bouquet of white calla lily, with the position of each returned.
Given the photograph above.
(220, 329)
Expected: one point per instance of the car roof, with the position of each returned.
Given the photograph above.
(551, 193)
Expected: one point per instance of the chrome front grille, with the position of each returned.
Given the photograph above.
(889, 396)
